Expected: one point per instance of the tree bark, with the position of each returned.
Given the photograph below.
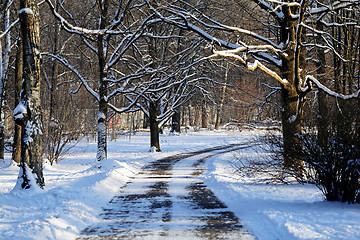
(2, 96)
(176, 118)
(191, 120)
(218, 117)
(16, 154)
(102, 128)
(54, 136)
(292, 130)
(323, 122)
(4, 75)
(204, 116)
(145, 122)
(323, 111)
(154, 127)
(222, 99)
(290, 100)
(31, 168)
(102, 117)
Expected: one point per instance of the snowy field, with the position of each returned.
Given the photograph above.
(78, 187)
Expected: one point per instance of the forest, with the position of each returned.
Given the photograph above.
(249, 111)
(99, 69)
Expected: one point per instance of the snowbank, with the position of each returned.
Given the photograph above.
(281, 211)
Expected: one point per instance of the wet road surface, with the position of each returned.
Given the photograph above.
(168, 200)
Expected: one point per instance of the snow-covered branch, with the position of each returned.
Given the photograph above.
(233, 54)
(7, 30)
(274, 11)
(333, 7)
(182, 19)
(80, 30)
(310, 78)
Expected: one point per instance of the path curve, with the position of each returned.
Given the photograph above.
(168, 200)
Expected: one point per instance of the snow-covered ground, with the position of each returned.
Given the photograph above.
(78, 187)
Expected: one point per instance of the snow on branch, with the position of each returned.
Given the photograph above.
(343, 24)
(220, 26)
(3, 34)
(251, 66)
(312, 79)
(276, 12)
(181, 20)
(335, 6)
(128, 108)
(79, 30)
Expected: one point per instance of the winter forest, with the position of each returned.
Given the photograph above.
(250, 109)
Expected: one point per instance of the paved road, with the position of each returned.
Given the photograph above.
(168, 200)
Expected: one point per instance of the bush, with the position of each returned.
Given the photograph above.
(335, 169)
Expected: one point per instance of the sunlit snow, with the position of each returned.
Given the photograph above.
(79, 186)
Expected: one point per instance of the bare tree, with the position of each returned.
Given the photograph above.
(110, 43)
(176, 76)
(28, 112)
(4, 64)
(279, 51)
(16, 154)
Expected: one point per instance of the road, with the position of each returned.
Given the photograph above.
(168, 200)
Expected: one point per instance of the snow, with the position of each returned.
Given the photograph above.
(31, 177)
(20, 111)
(79, 186)
(101, 115)
(330, 92)
(292, 118)
(28, 11)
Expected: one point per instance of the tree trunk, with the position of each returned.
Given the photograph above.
(28, 112)
(218, 118)
(176, 118)
(191, 121)
(145, 122)
(102, 128)
(4, 74)
(113, 130)
(54, 135)
(16, 154)
(323, 111)
(357, 128)
(222, 99)
(290, 99)
(183, 114)
(2, 95)
(154, 128)
(175, 121)
(204, 116)
(2, 125)
(54, 70)
(102, 117)
(323, 120)
(196, 118)
(292, 129)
